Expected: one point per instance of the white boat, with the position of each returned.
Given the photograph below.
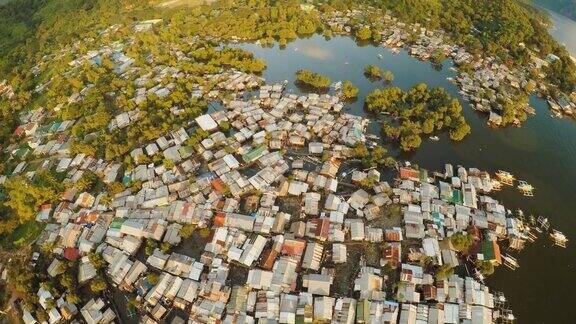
(380, 56)
(525, 188)
(553, 105)
(505, 177)
(434, 138)
(543, 223)
(559, 238)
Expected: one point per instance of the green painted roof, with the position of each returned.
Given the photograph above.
(117, 222)
(186, 151)
(127, 178)
(457, 196)
(488, 250)
(363, 311)
(254, 154)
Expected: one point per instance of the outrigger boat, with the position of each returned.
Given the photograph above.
(559, 238)
(505, 177)
(543, 224)
(510, 261)
(525, 188)
(496, 185)
(506, 316)
(479, 275)
(553, 105)
(532, 220)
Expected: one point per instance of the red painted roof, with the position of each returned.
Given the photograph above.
(268, 259)
(218, 185)
(71, 254)
(293, 247)
(19, 131)
(409, 173)
(322, 227)
(219, 219)
(392, 235)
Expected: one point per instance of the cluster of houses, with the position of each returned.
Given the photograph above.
(486, 86)
(282, 213)
(271, 183)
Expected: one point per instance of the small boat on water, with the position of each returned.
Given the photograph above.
(556, 114)
(505, 177)
(543, 224)
(525, 188)
(380, 56)
(553, 105)
(496, 185)
(510, 261)
(532, 220)
(479, 275)
(434, 138)
(559, 238)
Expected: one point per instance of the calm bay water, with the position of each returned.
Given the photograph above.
(563, 30)
(542, 152)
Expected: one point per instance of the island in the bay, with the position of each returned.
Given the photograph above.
(151, 174)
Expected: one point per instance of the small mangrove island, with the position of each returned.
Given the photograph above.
(416, 112)
(312, 79)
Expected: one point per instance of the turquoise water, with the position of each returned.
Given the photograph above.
(542, 152)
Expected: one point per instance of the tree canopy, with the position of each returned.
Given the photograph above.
(461, 242)
(373, 72)
(419, 111)
(312, 79)
(24, 198)
(349, 91)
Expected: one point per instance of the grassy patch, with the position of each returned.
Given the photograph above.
(22, 235)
